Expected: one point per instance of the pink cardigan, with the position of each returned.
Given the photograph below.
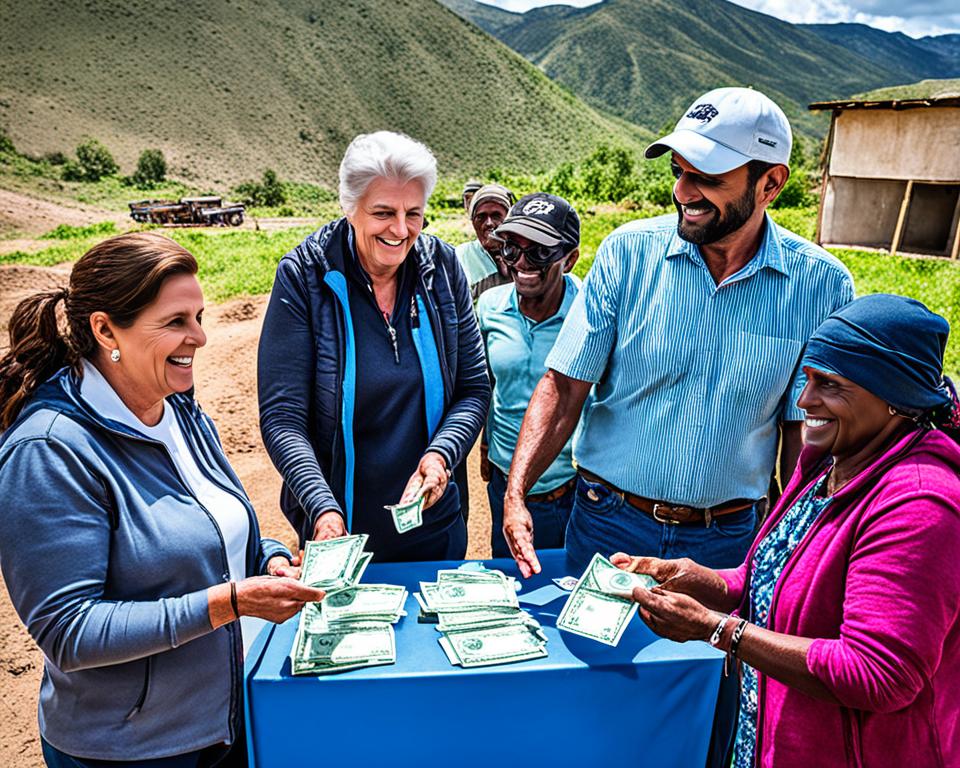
(876, 582)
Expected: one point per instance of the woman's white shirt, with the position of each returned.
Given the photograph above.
(226, 509)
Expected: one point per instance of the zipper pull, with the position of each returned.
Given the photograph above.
(393, 340)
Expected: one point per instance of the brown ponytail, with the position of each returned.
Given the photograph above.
(120, 276)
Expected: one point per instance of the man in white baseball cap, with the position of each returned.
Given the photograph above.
(686, 335)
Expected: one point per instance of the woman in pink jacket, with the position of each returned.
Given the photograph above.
(846, 613)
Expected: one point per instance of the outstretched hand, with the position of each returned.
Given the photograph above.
(518, 532)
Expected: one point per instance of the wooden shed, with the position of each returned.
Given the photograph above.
(891, 175)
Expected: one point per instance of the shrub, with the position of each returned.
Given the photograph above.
(151, 168)
(268, 194)
(55, 158)
(608, 174)
(271, 190)
(6, 143)
(94, 161)
(796, 192)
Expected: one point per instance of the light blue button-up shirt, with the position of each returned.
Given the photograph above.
(692, 377)
(517, 349)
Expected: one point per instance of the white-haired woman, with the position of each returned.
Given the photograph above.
(372, 381)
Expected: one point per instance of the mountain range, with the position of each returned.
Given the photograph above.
(646, 60)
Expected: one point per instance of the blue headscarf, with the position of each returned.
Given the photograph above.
(891, 346)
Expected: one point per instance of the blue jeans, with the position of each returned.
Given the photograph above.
(549, 517)
(603, 522)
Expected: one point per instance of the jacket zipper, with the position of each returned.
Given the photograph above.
(233, 627)
(391, 331)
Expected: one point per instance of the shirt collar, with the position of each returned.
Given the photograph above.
(569, 294)
(769, 254)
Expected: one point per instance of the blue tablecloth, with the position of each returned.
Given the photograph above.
(648, 701)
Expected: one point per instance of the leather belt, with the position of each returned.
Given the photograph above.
(556, 493)
(672, 514)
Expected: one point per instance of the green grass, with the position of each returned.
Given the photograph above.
(243, 262)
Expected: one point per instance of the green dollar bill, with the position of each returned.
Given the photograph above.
(447, 620)
(470, 590)
(360, 567)
(495, 645)
(364, 601)
(406, 517)
(332, 563)
(596, 615)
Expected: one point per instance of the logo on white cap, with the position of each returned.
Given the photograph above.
(537, 208)
(703, 112)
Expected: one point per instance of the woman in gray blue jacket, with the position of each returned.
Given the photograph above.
(127, 543)
(371, 375)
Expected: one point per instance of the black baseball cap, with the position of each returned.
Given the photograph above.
(543, 218)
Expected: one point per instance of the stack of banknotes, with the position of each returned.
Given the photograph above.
(353, 626)
(600, 607)
(479, 618)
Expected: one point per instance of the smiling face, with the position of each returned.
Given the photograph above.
(534, 282)
(842, 418)
(711, 207)
(386, 223)
(157, 350)
(487, 217)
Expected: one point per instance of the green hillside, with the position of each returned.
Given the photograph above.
(925, 89)
(226, 89)
(646, 60)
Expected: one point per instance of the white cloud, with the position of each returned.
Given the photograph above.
(925, 17)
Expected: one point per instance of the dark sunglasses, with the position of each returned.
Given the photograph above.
(536, 255)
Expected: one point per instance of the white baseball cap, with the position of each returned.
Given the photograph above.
(726, 128)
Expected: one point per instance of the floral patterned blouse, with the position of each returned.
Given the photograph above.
(768, 562)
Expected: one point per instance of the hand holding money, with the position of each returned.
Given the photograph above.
(274, 598)
(279, 565)
(675, 616)
(329, 526)
(429, 480)
(681, 575)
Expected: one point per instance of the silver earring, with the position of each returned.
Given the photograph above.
(115, 355)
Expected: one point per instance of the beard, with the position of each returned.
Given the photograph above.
(735, 215)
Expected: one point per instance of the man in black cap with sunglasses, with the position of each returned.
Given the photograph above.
(539, 243)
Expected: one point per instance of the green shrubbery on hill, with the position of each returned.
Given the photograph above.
(222, 88)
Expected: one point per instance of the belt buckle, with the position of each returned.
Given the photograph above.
(663, 520)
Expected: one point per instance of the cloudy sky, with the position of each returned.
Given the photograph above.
(914, 17)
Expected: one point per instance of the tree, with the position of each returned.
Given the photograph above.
(151, 168)
(271, 190)
(608, 174)
(94, 161)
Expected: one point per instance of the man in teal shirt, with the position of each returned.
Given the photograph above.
(539, 244)
(480, 258)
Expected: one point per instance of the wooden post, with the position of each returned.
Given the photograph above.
(955, 252)
(904, 205)
(825, 176)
